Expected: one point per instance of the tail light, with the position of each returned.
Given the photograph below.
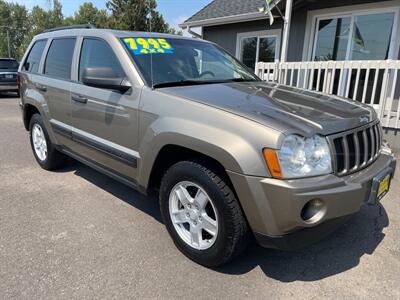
(19, 83)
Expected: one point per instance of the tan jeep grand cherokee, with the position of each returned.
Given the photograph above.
(230, 156)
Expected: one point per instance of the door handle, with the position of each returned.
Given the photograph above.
(41, 88)
(78, 98)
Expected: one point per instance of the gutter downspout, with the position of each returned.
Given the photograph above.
(195, 34)
(286, 30)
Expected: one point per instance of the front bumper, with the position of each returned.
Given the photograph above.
(302, 237)
(274, 207)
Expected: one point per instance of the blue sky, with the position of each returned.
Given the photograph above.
(174, 11)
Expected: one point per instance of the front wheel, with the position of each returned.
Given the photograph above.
(202, 214)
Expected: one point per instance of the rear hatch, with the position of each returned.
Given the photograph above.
(8, 70)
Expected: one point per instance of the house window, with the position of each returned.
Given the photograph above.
(260, 46)
(354, 36)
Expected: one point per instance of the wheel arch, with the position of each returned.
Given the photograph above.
(165, 160)
(28, 111)
(171, 154)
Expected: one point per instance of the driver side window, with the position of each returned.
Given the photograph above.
(98, 54)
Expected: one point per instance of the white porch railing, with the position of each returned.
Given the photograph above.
(372, 82)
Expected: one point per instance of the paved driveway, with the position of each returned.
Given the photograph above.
(76, 233)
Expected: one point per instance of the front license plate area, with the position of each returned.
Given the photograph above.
(9, 76)
(380, 186)
(383, 187)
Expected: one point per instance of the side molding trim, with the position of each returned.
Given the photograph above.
(115, 151)
(102, 169)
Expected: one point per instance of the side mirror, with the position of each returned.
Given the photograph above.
(105, 78)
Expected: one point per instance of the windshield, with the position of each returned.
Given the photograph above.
(172, 62)
(9, 64)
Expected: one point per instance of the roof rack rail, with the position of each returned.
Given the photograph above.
(79, 26)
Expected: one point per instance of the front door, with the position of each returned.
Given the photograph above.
(105, 122)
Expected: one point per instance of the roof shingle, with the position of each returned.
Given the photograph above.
(226, 8)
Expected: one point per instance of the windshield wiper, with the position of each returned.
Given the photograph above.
(186, 83)
(242, 80)
(198, 82)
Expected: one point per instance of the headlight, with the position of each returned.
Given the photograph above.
(300, 157)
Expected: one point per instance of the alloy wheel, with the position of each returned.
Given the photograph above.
(39, 142)
(193, 215)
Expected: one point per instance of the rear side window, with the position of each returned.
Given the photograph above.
(32, 61)
(59, 58)
(98, 54)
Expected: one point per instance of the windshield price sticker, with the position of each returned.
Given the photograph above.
(139, 46)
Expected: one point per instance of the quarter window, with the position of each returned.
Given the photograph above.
(59, 58)
(98, 54)
(32, 61)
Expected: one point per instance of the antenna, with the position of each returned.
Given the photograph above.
(149, 15)
(151, 71)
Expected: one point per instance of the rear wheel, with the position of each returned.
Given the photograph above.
(202, 214)
(44, 151)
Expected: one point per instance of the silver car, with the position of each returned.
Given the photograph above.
(8, 75)
(231, 157)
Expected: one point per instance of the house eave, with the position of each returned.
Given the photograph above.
(225, 20)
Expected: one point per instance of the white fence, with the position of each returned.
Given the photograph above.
(371, 82)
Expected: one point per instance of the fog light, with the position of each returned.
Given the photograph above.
(313, 211)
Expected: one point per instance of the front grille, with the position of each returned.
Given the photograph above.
(356, 149)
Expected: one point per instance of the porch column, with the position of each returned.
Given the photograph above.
(286, 30)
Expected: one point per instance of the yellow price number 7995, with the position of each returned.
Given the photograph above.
(148, 45)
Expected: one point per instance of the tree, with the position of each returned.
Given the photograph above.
(55, 14)
(89, 14)
(137, 15)
(13, 26)
(158, 24)
(40, 20)
(22, 25)
(19, 27)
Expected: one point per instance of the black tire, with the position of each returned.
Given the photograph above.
(233, 232)
(54, 158)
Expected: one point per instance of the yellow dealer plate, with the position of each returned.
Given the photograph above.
(383, 187)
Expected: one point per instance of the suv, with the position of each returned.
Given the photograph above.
(8, 75)
(231, 157)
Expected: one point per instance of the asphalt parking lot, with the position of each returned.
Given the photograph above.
(76, 233)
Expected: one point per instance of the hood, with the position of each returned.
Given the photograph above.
(287, 109)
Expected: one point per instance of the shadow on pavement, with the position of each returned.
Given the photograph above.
(337, 253)
(147, 204)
